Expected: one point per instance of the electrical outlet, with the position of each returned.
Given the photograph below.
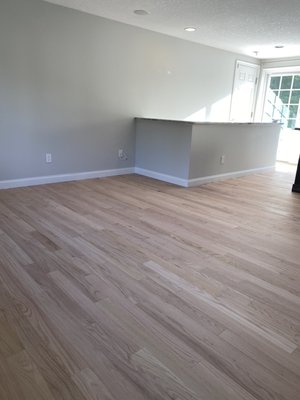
(122, 155)
(48, 158)
(222, 159)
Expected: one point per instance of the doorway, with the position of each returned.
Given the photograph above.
(281, 104)
(244, 92)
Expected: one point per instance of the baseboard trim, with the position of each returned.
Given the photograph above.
(42, 180)
(161, 177)
(227, 175)
(200, 181)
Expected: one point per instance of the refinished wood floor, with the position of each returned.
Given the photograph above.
(128, 288)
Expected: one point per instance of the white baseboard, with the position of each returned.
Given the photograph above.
(162, 177)
(42, 180)
(227, 175)
(200, 181)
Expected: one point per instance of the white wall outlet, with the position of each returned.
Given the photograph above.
(48, 158)
(222, 159)
(122, 155)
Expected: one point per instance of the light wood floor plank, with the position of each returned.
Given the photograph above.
(131, 288)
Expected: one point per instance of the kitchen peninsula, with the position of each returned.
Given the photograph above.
(193, 153)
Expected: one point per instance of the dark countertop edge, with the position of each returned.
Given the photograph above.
(207, 122)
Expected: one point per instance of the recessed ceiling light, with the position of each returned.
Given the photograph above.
(190, 29)
(279, 46)
(141, 12)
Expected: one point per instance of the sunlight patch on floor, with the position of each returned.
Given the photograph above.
(285, 167)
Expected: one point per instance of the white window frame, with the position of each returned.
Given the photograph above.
(263, 86)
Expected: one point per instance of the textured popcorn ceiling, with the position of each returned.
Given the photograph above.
(237, 25)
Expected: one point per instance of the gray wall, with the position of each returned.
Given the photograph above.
(189, 151)
(164, 147)
(71, 83)
(245, 146)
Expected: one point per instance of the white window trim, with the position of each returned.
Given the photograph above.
(264, 79)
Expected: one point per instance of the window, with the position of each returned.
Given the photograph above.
(282, 100)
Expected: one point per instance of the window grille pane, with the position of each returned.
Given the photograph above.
(275, 82)
(286, 82)
(296, 84)
(295, 97)
(284, 96)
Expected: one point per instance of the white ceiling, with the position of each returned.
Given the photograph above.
(242, 26)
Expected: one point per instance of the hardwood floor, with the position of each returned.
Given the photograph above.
(128, 288)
